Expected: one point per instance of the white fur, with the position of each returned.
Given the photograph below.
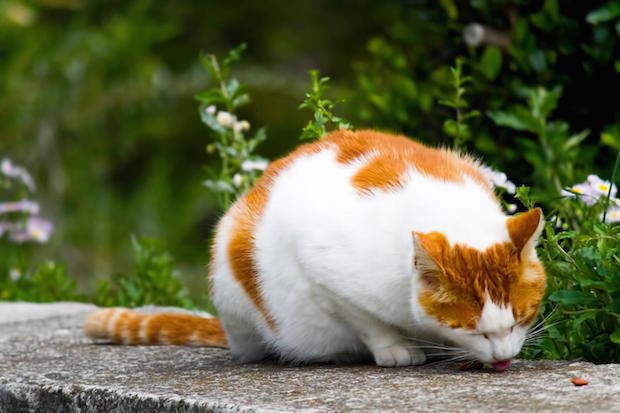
(111, 325)
(336, 268)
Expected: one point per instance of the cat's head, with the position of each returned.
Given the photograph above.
(483, 301)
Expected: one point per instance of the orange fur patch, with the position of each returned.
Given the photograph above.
(456, 292)
(126, 327)
(390, 156)
(521, 227)
(527, 294)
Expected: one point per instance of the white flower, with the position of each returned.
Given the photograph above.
(511, 208)
(583, 191)
(14, 171)
(499, 179)
(254, 165)
(242, 126)
(600, 187)
(24, 205)
(613, 215)
(210, 109)
(592, 190)
(15, 273)
(237, 180)
(225, 119)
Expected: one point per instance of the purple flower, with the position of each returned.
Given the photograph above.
(36, 229)
(14, 171)
(24, 205)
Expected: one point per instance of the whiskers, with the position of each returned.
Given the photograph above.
(539, 331)
(439, 352)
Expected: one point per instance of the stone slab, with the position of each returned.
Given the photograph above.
(46, 364)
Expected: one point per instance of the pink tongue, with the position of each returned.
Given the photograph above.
(501, 365)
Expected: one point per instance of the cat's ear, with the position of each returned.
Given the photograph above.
(524, 230)
(427, 252)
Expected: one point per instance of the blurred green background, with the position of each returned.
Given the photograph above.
(97, 99)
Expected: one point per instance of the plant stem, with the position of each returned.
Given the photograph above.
(611, 184)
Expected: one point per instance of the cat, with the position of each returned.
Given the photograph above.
(362, 244)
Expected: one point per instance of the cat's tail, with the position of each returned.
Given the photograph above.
(124, 326)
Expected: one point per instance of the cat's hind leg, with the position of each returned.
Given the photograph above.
(244, 341)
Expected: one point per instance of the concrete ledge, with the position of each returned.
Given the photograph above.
(46, 364)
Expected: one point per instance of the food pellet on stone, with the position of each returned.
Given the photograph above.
(578, 381)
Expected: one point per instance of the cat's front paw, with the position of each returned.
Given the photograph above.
(398, 355)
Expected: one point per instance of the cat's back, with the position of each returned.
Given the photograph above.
(348, 175)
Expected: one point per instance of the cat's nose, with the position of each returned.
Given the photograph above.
(501, 348)
(502, 354)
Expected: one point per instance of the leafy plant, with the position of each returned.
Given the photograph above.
(322, 108)
(240, 166)
(49, 282)
(581, 254)
(555, 153)
(457, 128)
(584, 289)
(154, 280)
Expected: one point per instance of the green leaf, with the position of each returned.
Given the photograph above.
(448, 103)
(219, 186)
(538, 62)
(516, 119)
(235, 54)
(523, 194)
(570, 297)
(608, 12)
(615, 336)
(450, 127)
(469, 115)
(611, 139)
(210, 64)
(450, 8)
(543, 101)
(241, 100)
(575, 139)
(491, 62)
(210, 96)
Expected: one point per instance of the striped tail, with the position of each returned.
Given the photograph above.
(123, 326)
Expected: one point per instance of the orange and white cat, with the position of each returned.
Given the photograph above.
(363, 243)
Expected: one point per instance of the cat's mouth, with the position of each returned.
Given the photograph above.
(501, 365)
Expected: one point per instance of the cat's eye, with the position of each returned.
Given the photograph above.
(486, 336)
